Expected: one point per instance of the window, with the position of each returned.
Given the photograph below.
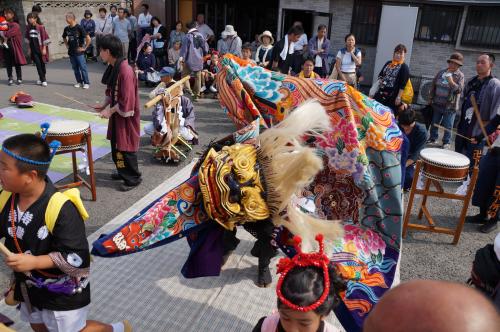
(482, 27)
(438, 24)
(365, 21)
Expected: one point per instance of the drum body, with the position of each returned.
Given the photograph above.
(444, 165)
(72, 134)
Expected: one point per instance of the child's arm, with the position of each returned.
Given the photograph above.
(26, 262)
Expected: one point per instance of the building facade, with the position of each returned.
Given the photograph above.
(441, 26)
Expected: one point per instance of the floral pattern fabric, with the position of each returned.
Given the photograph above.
(361, 180)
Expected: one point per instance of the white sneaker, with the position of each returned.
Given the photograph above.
(86, 86)
(213, 89)
(38, 82)
(44, 83)
(78, 85)
(203, 88)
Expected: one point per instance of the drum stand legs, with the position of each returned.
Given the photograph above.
(77, 179)
(439, 192)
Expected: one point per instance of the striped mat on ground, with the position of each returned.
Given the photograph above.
(27, 120)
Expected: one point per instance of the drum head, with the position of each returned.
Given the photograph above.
(68, 127)
(445, 158)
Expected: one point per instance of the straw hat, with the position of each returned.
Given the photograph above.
(229, 31)
(457, 58)
(266, 33)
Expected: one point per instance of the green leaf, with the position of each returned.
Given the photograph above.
(366, 121)
(172, 202)
(361, 134)
(340, 145)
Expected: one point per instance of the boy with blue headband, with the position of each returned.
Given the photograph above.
(45, 232)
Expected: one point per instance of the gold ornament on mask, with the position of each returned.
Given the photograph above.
(231, 186)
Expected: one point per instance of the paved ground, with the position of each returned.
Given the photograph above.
(424, 255)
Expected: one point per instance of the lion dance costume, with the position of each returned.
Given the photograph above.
(334, 159)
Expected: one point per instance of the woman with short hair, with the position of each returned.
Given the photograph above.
(176, 35)
(444, 98)
(318, 48)
(348, 58)
(158, 40)
(392, 80)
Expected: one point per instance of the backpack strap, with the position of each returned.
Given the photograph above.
(56, 203)
(4, 197)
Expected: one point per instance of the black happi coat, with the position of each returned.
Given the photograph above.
(68, 238)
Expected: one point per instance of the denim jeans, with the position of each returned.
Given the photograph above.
(444, 118)
(80, 68)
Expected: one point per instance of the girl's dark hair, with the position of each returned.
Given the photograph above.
(35, 16)
(178, 22)
(113, 44)
(349, 35)
(32, 147)
(304, 286)
(146, 45)
(112, 6)
(102, 9)
(400, 48)
(308, 59)
(155, 18)
(246, 46)
(13, 12)
(145, 5)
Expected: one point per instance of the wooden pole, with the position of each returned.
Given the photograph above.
(5, 250)
(479, 120)
(170, 89)
(453, 132)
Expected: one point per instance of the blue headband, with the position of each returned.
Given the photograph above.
(54, 146)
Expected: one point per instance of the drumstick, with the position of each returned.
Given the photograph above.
(5, 250)
(74, 100)
(479, 120)
(453, 132)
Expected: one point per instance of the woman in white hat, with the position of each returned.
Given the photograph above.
(232, 41)
(263, 53)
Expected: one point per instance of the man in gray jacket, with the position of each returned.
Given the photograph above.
(486, 90)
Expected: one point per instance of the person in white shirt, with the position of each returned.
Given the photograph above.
(204, 29)
(103, 26)
(300, 48)
(347, 59)
(144, 21)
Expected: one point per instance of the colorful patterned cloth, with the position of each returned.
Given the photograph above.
(361, 180)
(172, 216)
(360, 183)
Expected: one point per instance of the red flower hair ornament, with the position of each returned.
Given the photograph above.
(318, 259)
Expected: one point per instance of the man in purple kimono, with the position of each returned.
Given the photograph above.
(123, 113)
(194, 47)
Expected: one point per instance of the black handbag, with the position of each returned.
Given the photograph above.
(427, 113)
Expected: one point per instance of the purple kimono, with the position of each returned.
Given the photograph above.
(15, 40)
(126, 122)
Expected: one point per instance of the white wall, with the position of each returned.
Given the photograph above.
(397, 26)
